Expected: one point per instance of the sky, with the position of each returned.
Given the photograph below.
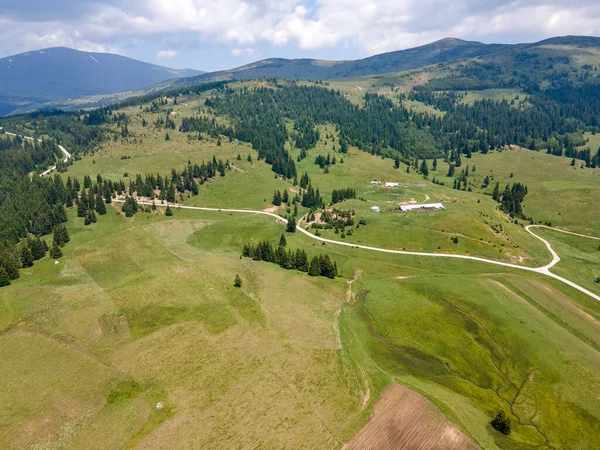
(220, 34)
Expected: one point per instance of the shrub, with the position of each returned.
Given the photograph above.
(501, 423)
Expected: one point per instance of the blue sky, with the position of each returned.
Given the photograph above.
(219, 34)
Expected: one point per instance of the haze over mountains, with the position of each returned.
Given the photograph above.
(30, 80)
(62, 73)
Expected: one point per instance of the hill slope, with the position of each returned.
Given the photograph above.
(445, 50)
(62, 73)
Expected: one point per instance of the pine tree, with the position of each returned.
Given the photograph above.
(451, 170)
(424, 168)
(396, 163)
(38, 251)
(100, 205)
(82, 204)
(167, 137)
(55, 251)
(282, 240)
(61, 236)
(237, 282)
(26, 256)
(496, 192)
(291, 225)
(314, 269)
(4, 278)
(169, 211)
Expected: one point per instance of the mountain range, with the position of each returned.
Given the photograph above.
(54, 77)
(60, 73)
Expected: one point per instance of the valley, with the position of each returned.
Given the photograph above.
(231, 267)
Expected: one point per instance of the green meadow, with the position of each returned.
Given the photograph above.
(138, 338)
(138, 332)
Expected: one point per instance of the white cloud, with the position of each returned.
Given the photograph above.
(371, 26)
(248, 51)
(166, 54)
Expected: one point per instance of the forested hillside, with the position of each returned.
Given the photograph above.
(549, 119)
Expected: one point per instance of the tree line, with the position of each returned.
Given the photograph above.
(320, 265)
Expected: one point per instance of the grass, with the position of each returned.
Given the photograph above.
(580, 258)
(142, 311)
(509, 95)
(558, 193)
(148, 305)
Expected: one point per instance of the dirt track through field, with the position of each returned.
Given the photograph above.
(544, 270)
(403, 419)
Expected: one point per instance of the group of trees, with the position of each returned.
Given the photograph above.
(325, 161)
(340, 195)
(548, 121)
(312, 199)
(278, 198)
(130, 206)
(511, 199)
(187, 180)
(30, 206)
(321, 265)
(336, 218)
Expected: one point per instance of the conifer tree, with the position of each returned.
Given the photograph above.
(237, 282)
(82, 204)
(55, 251)
(451, 169)
(282, 241)
(424, 168)
(4, 278)
(291, 225)
(496, 192)
(100, 205)
(169, 211)
(26, 256)
(314, 269)
(38, 251)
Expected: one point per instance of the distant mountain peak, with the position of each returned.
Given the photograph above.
(60, 73)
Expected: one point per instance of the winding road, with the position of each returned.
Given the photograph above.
(544, 270)
(60, 147)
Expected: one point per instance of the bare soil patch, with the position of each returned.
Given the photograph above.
(403, 419)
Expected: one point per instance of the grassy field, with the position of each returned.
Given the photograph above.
(139, 337)
(580, 258)
(134, 316)
(558, 193)
(509, 95)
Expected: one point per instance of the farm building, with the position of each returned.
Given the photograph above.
(424, 207)
(375, 209)
(391, 184)
(374, 182)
